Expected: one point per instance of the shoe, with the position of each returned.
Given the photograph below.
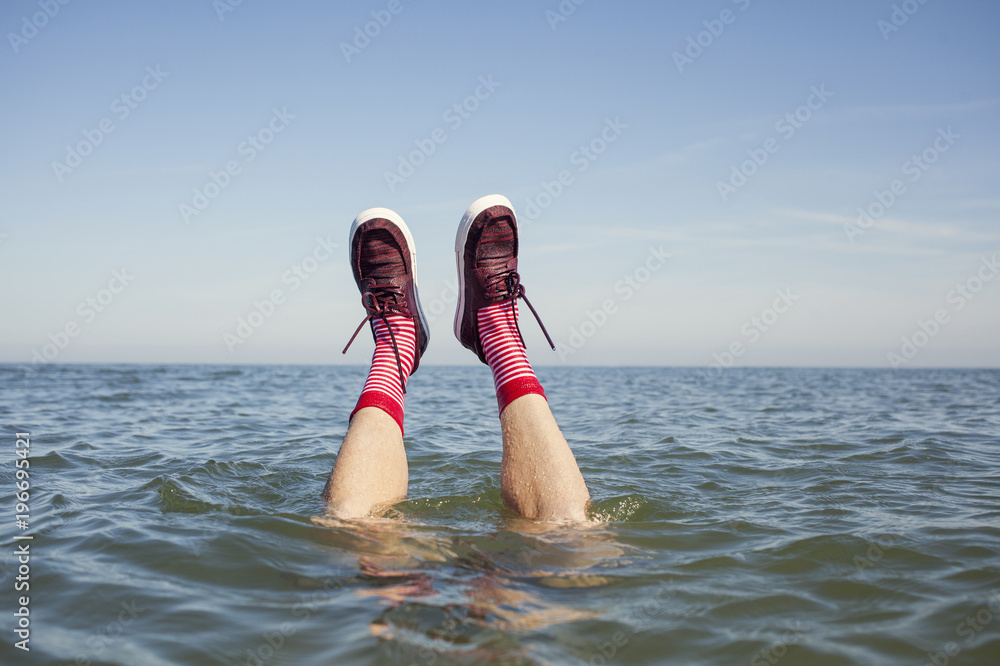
(384, 264)
(486, 252)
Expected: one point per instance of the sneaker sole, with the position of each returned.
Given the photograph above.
(477, 207)
(392, 216)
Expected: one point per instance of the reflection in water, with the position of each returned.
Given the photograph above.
(461, 595)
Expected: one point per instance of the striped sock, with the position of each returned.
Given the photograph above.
(382, 388)
(512, 374)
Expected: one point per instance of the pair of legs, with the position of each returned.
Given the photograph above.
(539, 477)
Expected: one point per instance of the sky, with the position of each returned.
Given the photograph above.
(715, 184)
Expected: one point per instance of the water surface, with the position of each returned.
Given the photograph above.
(756, 516)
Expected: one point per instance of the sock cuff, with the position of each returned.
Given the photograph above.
(383, 401)
(515, 388)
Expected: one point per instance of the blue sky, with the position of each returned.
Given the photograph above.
(772, 270)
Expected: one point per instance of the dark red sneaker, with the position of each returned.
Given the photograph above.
(384, 263)
(486, 251)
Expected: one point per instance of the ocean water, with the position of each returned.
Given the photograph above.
(756, 516)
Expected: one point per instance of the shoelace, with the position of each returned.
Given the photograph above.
(507, 285)
(376, 300)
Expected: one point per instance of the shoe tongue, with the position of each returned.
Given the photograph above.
(381, 256)
(496, 245)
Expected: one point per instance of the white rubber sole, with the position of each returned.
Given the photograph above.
(477, 207)
(392, 216)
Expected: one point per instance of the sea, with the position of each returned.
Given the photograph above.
(172, 515)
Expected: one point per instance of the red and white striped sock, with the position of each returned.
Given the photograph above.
(512, 374)
(382, 388)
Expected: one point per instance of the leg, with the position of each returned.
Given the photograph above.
(539, 477)
(371, 467)
(371, 470)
